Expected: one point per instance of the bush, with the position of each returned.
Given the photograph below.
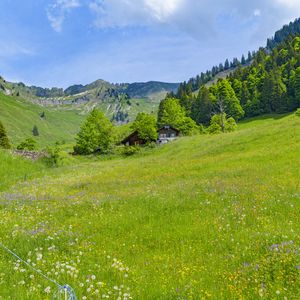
(4, 142)
(29, 144)
(219, 123)
(230, 125)
(129, 150)
(214, 128)
(57, 157)
(297, 113)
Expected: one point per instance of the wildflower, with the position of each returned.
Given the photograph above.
(39, 256)
(47, 290)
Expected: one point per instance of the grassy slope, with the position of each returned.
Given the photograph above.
(196, 219)
(19, 117)
(15, 169)
(62, 124)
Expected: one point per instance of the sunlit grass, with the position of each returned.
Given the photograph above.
(206, 217)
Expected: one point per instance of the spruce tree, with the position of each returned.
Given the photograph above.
(35, 131)
(297, 88)
(227, 65)
(227, 98)
(4, 141)
(243, 60)
(202, 107)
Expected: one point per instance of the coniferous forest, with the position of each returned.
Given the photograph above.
(268, 82)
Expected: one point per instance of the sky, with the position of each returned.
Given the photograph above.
(63, 42)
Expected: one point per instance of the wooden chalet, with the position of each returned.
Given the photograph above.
(133, 139)
(167, 134)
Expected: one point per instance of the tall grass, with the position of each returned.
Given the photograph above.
(206, 217)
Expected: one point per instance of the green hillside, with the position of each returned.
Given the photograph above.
(20, 116)
(206, 217)
(120, 102)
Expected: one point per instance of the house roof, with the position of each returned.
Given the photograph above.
(168, 127)
(131, 135)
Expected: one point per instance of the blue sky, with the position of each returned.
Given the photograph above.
(63, 42)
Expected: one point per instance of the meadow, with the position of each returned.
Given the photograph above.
(19, 117)
(205, 217)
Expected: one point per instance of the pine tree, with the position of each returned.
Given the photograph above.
(273, 98)
(35, 131)
(227, 98)
(243, 60)
(245, 94)
(202, 108)
(249, 58)
(226, 66)
(297, 88)
(4, 141)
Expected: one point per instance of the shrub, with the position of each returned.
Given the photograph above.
(57, 157)
(214, 128)
(219, 123)
(129, 150)
(230, 125)
(297, 113)
(29, 144)
(4, 141)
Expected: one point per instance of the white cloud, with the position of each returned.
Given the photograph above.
(9, 49)
(56, 12)
(257, 13)
(194, 17)
(161, 10)
(121, 13)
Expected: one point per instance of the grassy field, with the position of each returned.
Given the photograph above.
(20, 116)
(206, 217)
(59, 125)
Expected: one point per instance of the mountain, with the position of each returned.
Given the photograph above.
(293, 28)
(222, 70)
(121, 102)
(268, 83)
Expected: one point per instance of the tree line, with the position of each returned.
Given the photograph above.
(194, 83)
(270, 84)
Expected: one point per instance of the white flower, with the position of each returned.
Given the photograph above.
(39, 256)
(47, 290)
(93, 277)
